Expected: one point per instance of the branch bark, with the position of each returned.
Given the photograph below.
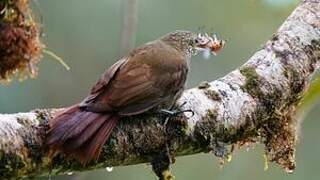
(253, 104)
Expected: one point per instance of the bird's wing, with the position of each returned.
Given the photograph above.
(141, 83)
(134, 90)
(103, 82)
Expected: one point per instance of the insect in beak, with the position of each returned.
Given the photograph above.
(215, 44)
(211, 43)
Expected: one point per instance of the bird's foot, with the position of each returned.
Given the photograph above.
(172, 113)
(176, 111)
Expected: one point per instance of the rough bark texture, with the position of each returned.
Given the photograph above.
(255, 103)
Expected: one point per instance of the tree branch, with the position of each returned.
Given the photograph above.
(128, 28)
(254, 103)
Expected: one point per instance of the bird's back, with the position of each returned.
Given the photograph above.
(150, 75)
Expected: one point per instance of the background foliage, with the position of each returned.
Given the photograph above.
(86, 34)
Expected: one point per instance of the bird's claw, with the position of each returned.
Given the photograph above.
(172, 113)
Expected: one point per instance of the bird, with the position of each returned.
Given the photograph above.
(151, 76)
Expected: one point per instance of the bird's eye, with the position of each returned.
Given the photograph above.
(196, 41)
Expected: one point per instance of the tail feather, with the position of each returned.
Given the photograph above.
(77, 140)
(91, 149)
(80, 134)
(88, 120)
(68, 125)
(70, 110)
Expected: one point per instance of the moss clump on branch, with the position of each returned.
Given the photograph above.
(252, 81)
(204, 85)
(215, 137)
(20, 47)
(212, 95)
(275, 116)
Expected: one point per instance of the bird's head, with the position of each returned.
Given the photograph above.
(190, 43)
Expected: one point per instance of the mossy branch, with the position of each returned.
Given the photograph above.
(253, 104)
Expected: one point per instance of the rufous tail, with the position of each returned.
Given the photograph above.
(79, 134)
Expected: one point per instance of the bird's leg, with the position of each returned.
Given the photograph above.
(161, 164)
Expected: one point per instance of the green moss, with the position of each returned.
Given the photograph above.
(297, 84)
(212, 95)
(14, 165)
(211, 114)
(216, 136)
(315, 43)
(274, 115)
(269, 101)
(274, 37)
(209, 127)
(252, 84)
(204, 85)
(24, 121)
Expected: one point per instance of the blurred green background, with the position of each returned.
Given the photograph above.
(87, 35)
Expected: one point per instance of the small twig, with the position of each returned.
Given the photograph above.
(56, 57)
